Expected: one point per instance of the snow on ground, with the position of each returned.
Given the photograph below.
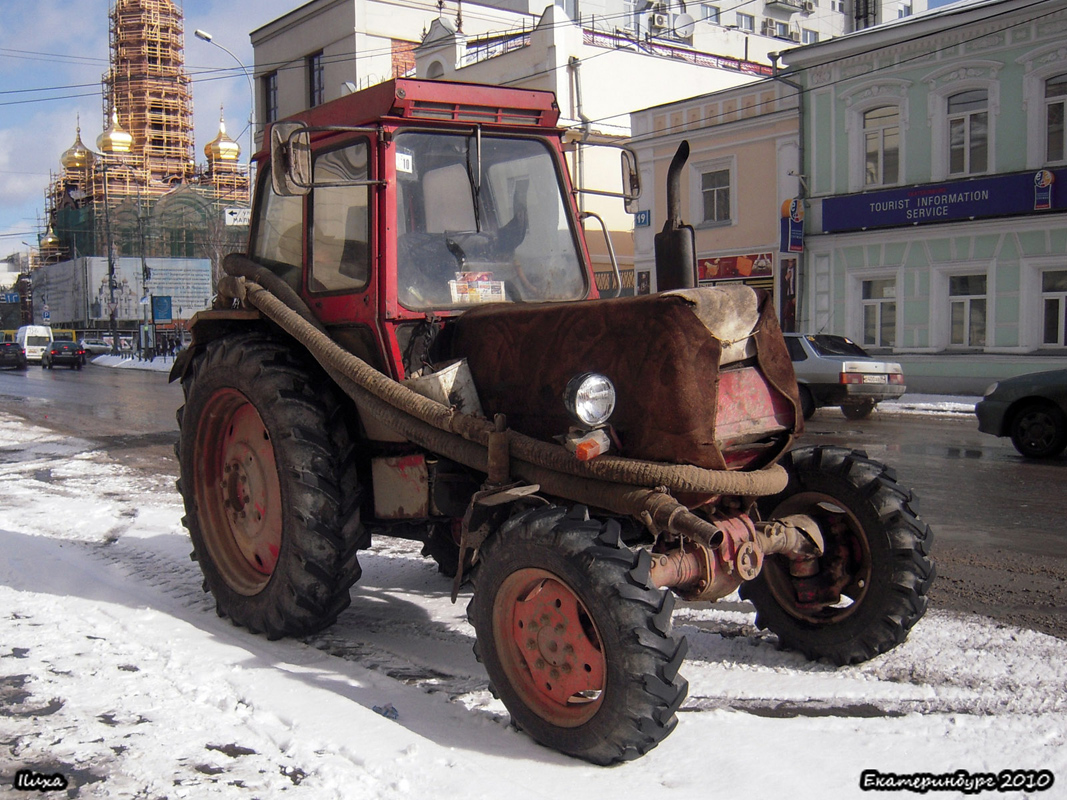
(116, 674)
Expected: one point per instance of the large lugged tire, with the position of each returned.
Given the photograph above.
(872, 579)
(577, 642)
(442, 548)
(268, 479)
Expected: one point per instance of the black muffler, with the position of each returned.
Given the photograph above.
(676, 254)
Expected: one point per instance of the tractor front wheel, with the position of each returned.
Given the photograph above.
(864, 593)
(577, 642)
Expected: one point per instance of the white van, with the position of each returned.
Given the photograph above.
(34, 340)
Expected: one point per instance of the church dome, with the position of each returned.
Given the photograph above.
(222, 147)
(114, 139)
(50, 239)
(78, 157)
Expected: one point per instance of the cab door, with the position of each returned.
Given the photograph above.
(341, 279)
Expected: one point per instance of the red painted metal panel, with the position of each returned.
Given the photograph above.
(748, 408)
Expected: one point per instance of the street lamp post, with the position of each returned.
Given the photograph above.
(205, 36)
(112, 306)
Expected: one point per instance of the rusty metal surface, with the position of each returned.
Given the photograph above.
(401, 487)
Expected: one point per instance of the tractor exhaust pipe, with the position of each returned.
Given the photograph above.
(676, 244)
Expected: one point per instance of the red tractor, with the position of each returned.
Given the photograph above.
(415, 346)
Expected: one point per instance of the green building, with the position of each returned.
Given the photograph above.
(935, 166)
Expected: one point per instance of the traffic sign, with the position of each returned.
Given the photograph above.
(237, 216)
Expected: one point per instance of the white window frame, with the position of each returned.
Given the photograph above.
(696, 191)
(1032, 302)
(880, 130)
(966, 301)
(879, 304)
(940, 310)
(967, 118)
(861, 99)
(1060, 100)
(951, 81)
(710, 14)
(746, 22)
(1061, 322)
(1040, 65)
(854, 302)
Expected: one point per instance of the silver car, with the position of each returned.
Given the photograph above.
(835, 371)
(96, 347)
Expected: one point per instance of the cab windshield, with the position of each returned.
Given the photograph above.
(481, 220)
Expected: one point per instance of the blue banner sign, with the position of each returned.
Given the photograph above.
(792, 229)
(161, 309)
(996, 196)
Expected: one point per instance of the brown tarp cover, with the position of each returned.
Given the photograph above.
(662, 358)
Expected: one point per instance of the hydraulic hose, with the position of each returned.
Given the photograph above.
(362, 381)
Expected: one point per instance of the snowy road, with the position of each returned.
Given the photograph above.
(117, 676)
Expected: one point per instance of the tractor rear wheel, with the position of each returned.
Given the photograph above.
(577, 642)
(268, 479)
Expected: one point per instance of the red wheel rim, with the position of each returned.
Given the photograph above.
(549, 647)
(239, 491)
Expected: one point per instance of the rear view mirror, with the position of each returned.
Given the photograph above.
(290, 158)
(631, 180)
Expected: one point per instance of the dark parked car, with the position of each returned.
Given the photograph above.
(1031, 409)
(835, 371)
(63, 351)
(12, 355)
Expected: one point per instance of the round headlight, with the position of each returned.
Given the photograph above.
(589, 398)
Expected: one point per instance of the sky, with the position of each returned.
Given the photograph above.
(53, 54)
(117, 675)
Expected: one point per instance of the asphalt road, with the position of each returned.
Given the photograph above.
(129, 412)
(1000, 544)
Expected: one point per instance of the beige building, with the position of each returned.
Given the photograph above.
(742, 169)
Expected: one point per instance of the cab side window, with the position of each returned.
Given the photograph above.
(340, 238)
(278, 242)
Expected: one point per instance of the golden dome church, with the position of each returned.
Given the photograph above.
(142, 188)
